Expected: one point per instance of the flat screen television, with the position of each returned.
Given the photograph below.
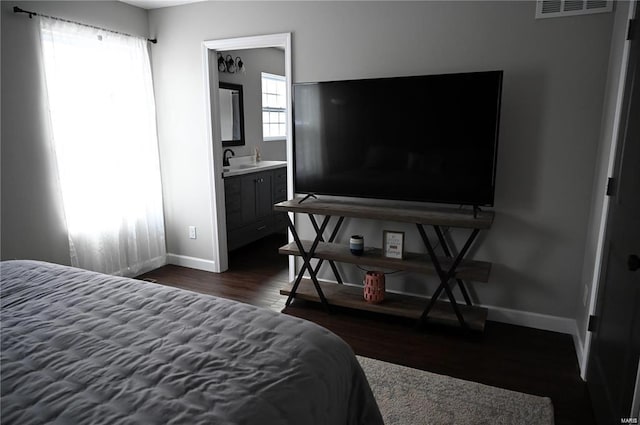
(430, 138)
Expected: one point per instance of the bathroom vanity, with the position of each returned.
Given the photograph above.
(251, 189)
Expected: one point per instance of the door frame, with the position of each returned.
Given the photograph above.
(602, 223)
(597, 275)
(210, 48)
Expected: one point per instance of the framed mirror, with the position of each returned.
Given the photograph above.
(231, 114)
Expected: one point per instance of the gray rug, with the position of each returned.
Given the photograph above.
(409, 397)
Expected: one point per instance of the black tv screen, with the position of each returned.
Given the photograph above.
(429, 138)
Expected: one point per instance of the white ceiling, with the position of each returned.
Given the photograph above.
(155, 4)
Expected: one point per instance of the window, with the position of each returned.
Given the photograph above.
(274, 107)
(102, 111)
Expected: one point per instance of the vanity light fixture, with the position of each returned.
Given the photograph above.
(230, 65)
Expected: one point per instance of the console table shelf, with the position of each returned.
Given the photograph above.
(477, 271)
(449, 268)
(407, 306)
(438, 216)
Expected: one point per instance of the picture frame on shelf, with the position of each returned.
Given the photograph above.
(393, 244)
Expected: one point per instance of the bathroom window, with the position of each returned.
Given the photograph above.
(274, 107)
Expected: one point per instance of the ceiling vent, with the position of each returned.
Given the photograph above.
(559, 8)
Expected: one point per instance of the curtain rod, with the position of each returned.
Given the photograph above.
(16, 9)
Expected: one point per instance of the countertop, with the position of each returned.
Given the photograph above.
(254, 167)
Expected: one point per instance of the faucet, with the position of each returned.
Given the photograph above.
(225, 158)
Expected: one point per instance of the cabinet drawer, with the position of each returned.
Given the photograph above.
(279, 194)
(280, 177)
(246, 234)
(280, 174)
(279, 185)
(279, 221)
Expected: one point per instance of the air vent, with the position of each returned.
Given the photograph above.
(547, 7)
(603, 4)
(559, 8)
(572, 6)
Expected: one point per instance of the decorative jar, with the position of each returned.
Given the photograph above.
(374, 287)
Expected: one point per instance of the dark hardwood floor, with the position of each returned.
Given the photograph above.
(513, 357)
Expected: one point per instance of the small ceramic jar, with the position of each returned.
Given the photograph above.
(356, 244)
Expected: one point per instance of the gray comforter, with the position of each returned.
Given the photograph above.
(83, 347)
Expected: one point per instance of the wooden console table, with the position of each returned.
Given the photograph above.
(448, 268)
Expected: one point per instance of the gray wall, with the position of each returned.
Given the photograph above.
(32, 217)
(269, 60)
(555, 72)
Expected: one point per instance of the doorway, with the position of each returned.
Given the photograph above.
(614, 354)
(211, 48)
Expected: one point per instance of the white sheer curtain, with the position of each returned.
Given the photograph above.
(103, 122)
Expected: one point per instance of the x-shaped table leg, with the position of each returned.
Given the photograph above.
(447, 253)
(331, 239)
(445, 276)
(307, 256)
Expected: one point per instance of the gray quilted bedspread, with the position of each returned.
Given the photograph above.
(86, 348)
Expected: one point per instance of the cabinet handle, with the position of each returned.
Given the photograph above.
(261, 228)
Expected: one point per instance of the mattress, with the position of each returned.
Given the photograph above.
(81, 347)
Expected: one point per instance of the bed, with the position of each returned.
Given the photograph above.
(83, 347)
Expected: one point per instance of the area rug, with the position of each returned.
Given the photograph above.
(408, 396)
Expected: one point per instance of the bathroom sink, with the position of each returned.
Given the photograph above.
(244, 166)
(238, 167)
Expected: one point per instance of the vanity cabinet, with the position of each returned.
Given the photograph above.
(256, 195)
(279, 195)
(249, 200)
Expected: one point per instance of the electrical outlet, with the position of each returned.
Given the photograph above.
(192, 232)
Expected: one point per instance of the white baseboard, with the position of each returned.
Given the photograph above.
(192, 262)
(544, 322)
(142, 268)
(153, 264)
(514, 317)
(532, 320)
